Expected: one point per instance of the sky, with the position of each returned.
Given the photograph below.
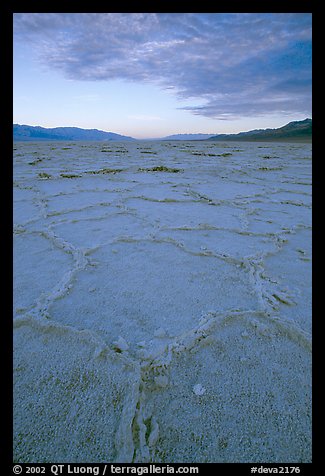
(149, 75)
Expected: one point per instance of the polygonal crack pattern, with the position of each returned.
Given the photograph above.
(162, 302)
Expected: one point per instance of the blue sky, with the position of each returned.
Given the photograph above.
(153, 74)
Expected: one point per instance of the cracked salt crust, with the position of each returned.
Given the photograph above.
(162, 317)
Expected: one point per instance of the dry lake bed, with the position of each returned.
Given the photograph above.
(162, 302)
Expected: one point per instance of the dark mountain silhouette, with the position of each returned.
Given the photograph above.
(293, 132)
(31, 133)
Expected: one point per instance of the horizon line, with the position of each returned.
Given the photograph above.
(157, 138)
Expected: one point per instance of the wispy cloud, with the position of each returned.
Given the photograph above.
(237, 64)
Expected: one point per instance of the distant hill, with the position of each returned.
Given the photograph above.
(37, 133)
(296, 131)
(187, 137)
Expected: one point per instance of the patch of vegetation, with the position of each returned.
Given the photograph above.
(105, 171)
(70, 176)
(44, 175)
(270, 168)
(36, 161)
(225, 154)
(160, 168)
(66, 148)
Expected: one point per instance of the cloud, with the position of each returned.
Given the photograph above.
(237, 64)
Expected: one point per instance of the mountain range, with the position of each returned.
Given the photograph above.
(187, 137)
(37, 133)
(296, 131)
(293, 131)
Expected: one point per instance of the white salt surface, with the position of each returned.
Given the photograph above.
(162, 316)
